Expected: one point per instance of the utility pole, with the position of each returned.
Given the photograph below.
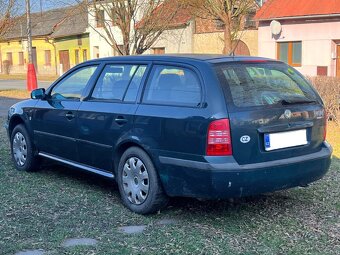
(31, 75)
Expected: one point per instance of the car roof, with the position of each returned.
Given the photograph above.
(212, 58)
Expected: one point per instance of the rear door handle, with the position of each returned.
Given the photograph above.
(70, 115)
(120, 120)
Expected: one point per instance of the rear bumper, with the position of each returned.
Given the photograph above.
(223, 177)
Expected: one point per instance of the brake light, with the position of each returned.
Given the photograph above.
(325, 128)
(219, 138)
(255, 61)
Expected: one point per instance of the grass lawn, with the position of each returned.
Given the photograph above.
(40, 210)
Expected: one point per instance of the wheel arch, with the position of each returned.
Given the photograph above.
(122, 147)
(15, 121)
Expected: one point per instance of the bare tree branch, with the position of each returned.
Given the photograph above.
(139, 23)
(230, 12)
(6, 9)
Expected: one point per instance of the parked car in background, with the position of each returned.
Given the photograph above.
(203, 126)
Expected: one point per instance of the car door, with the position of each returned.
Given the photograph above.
(54, 118)
(171, 118)
(107, 115)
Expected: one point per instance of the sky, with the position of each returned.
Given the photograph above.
(45, 4)
(49, 4)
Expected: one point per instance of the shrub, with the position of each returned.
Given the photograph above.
(6, 65)
(329, 90)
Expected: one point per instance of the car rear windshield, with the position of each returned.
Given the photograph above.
(250, 84)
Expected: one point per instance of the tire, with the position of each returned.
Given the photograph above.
(22, 150)
(139, 184)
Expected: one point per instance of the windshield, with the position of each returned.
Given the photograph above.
(267, 83)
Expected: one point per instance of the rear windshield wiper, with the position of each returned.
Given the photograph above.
(292, 102)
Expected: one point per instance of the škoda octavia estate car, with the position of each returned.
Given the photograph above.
(201, 126)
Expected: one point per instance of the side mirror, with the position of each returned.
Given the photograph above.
(38, 94)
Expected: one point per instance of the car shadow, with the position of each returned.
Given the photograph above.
(184, 205)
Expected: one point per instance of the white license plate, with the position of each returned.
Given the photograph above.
(282, 140)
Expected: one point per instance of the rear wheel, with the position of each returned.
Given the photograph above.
(23, 154)
(139, 185)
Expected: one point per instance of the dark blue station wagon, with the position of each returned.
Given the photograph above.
(204, 126)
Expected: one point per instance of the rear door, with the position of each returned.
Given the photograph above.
(274, 113)
(171, 120)
(108, 114)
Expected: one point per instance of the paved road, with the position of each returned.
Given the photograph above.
(5, 104)
(21, 84)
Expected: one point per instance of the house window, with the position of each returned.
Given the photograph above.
(47, 58)
(9, 58)
(219, 24)
(290, 53)
(158, 51)
(76, 54)
(250, 22)
(84, 55)
(80, 40)
(100, 14)
(21, 59)
(96, 51)
(113, 17)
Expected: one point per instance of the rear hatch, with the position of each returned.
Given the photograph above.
(274, 112)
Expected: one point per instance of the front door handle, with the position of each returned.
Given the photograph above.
(120, 120)
(70, 115)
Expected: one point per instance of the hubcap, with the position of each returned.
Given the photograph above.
(19, 149)
(135, 181)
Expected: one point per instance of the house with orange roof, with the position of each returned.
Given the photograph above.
(304, 34)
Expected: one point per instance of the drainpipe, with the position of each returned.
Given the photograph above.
(55, 54)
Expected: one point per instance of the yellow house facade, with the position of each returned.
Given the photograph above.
(59, 42)
(70, 51)
(15, 52)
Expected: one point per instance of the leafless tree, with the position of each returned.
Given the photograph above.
(231, 13)
(6, 9)
(132, 26)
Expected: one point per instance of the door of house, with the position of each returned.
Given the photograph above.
(338, 61)
(64, 58)
(34, 58)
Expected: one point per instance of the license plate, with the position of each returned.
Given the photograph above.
(282, 140)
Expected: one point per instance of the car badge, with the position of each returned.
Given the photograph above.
(288, 114)
(245, 139)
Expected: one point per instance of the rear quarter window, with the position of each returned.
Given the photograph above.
(170, 85)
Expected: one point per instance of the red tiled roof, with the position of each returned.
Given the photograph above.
(166, 10)
(274, 9)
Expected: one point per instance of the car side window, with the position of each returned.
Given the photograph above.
(72, 86)
(115, 80)
(131, 94)
(170, 85)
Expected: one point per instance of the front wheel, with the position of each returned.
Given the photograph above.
(23, 154)
(139, 185)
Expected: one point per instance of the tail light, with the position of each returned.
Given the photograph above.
(219, 138)
(325, 128)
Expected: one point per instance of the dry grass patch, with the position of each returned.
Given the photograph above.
(333, 136)
(17, 94)
(24, 77)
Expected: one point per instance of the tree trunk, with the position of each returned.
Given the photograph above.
(228, 44)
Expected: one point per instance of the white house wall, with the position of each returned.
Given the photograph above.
(318, 46)
(176, 40)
